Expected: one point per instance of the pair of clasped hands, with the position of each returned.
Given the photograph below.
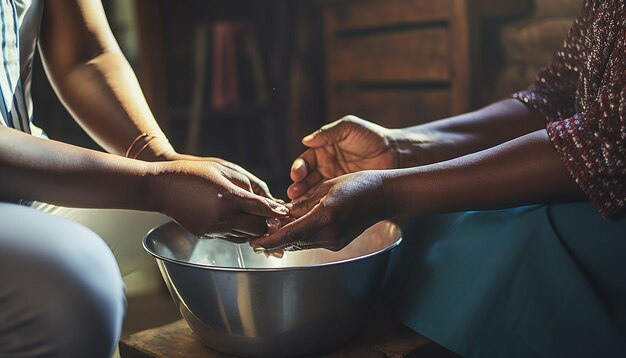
(335, 194)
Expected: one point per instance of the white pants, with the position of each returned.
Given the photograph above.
(61, 289)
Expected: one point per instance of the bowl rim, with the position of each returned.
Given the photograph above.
(264, 269)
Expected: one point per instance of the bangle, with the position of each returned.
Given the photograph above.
(151, 139)
(130, 147)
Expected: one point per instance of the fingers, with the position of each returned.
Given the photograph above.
(238, 179)
(328, 134)
(258, 205)
(251, 181)
(259, 187)
(297, 231)
(296, 190)
(301, 167)
(304, 205)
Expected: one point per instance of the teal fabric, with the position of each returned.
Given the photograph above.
(536, 281)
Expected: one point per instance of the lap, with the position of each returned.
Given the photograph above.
(61, 293)
(518, 282)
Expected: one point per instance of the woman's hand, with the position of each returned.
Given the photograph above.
(333, 215)
(348, 145)
(210, 198)
(258, 186)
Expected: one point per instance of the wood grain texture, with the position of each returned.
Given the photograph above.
(395, 57)
(380, 337)
(376, 14)
(393, 108)
(463, 45)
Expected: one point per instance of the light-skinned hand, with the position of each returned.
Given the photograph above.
(209, 198)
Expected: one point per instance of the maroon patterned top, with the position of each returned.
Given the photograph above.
(582, 94)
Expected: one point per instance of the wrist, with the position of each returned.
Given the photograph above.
(406, 146)
(157, 180)
(389, 193)
(150, 148)
(404, 192)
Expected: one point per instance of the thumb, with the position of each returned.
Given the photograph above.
(330, 133)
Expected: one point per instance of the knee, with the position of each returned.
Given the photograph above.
(68, 294)
(90, 302)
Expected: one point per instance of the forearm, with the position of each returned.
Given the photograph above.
(526, 170)
(93, 78)
(37, 169)
(104, 96)
(464, 134)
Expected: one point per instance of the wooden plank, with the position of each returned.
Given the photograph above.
(392, 108)
(462, 44)
(483, 8)
(381, 336)
(395, 57)
(500, 8)
(375, 13)
(172, 340)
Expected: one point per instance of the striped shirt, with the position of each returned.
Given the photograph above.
(19, 31)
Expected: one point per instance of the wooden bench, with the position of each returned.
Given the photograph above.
(381, 336)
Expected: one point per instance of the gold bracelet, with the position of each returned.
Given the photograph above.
(130, 147)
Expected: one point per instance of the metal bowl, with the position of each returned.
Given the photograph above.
(245, 304)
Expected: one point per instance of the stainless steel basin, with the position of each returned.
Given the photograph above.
(245, 304)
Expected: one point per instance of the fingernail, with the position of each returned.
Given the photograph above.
(307, 138)
(298, 165)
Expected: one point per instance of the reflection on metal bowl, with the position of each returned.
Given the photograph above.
(242, 303)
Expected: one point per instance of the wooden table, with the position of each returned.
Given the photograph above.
(380, 337)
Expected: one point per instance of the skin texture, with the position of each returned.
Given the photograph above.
(496, 157)
(209, 196)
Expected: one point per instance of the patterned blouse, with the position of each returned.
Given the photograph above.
(582, 94)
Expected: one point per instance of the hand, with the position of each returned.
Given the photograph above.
(258, 186)
(209, 198)
(348, 145)
(333, 215)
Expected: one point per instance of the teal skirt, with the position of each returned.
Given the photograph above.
(536, 281)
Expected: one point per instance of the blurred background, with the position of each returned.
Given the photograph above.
(247, 79)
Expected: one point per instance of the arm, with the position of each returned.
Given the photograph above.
(93, 79)
(464, 134)
(352, 144)
(97, 85)
(550, 98)
(206, 198)
(525, 170)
